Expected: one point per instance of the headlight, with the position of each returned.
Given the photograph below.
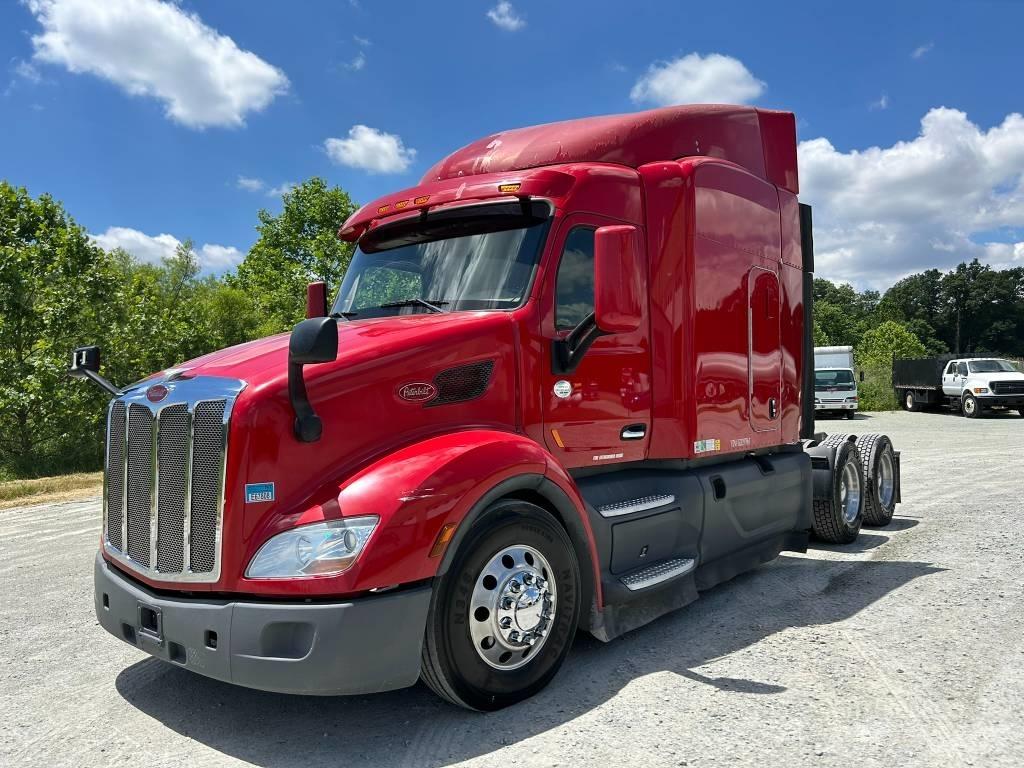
(317, 549)
(852, 399)
(981, 390)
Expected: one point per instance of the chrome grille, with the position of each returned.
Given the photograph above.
(164, 498)
(207, 468)
(115, 480)
(139, 481)
(172, 458)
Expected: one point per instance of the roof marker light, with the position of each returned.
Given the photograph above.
(508, 189)
(401, 204)
(421, 200)
(383, 208)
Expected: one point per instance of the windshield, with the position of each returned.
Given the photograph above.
(991, 366)
(484, 270)
(833, 380)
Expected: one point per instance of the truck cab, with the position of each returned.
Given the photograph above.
(982, 384)
(564, 385)
(835, 385)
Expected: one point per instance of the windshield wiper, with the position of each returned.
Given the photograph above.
(433, 306)
(344, 315)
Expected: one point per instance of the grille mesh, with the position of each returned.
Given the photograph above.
(140, 481)
(186, 478)
(207, 467)
(172, 459)
(1008, 388)
(115, 478)
(466, 382)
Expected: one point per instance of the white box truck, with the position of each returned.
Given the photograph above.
(835, 385)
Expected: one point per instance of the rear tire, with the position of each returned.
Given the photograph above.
(879, 461)
(469, 657)
(839, 516)
(970, 407)
(850, 415)
(909, 403)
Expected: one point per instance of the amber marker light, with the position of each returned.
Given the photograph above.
(443, 537)
(421, 200)
(508, 189)
(401, 204)
(383, 208)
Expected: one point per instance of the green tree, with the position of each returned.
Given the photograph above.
(874, 355)
(294, 247)
(55, 291)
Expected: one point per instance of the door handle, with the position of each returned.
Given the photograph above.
(773, 408)
(633, 432)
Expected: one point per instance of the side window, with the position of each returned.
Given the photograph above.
(574, 284)
(951, 369)
(961, 368)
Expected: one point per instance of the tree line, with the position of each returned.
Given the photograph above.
(59, 290)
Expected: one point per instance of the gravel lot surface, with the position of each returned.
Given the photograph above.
(903, 649)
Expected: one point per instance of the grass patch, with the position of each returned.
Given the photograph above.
(15, 493)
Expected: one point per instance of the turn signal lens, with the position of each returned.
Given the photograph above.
(443, 537)
(981, 390)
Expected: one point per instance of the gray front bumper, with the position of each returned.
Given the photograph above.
(357, 646)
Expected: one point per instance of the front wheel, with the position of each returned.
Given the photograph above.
(970, 407)
(503, 617)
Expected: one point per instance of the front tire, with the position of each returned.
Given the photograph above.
(970, 407)
(503, 617)
(838, 517)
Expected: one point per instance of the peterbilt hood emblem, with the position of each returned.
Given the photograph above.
(417, 392)
(156, 393)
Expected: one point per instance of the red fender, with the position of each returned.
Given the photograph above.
(418, 489)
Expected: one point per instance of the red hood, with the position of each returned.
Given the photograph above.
(266, 360)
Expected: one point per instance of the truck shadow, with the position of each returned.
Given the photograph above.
(414, 728)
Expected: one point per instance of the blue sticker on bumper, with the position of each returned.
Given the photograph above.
(258, 492)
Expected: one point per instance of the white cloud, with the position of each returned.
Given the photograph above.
(882, 103)
(281, 189)
(156, 49)
(152, 249)
(217, 258)
(371, 150)
(921, 50)
(696, 79)
(943, 197)
(357, 63)
(505, 16)
(26, 70)
(250, 184)
(363, 41)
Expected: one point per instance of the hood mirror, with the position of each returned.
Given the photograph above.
(85, 364)
(314, 340)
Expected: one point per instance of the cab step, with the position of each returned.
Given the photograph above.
(652, 575)
(643, 504)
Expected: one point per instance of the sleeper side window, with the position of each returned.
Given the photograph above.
(574, 283)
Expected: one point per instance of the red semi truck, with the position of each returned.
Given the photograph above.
(566, 383)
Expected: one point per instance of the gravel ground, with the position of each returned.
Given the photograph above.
(906, 648)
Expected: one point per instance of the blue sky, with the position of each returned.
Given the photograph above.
(156, 122)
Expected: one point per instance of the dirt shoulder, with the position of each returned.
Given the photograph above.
(50, 490)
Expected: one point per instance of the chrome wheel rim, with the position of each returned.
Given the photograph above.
(910, 400)
(512, 607)
(969, 405)
(849, 492)
(886, 480)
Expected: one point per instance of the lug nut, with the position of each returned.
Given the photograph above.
(505, 622)
(514, 586)
(529, 639)
(507, 603)
(513, 636)
(541, 583)
(527, 578)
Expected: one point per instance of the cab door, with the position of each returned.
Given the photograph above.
(599, 412)
(765, 348)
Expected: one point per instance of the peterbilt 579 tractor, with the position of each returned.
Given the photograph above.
(567, 383)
